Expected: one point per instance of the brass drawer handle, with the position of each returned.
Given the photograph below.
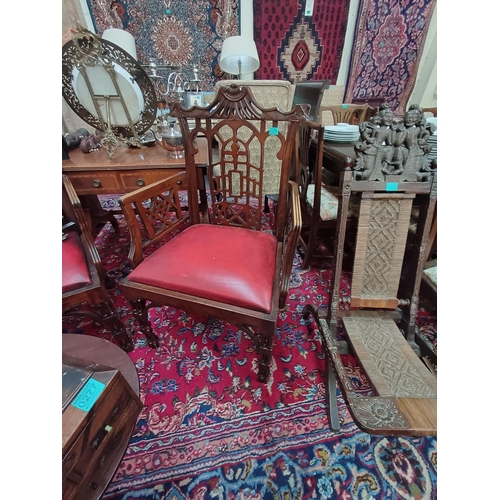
(96, 183)
(140, 182)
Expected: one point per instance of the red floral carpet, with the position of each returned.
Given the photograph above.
(209, 429)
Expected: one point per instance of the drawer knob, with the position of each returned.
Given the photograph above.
(179, 183)
(96, 183)
(140, 182)
(96, 443)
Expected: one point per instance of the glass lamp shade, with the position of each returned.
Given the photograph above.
(239, 56)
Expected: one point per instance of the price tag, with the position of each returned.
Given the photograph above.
(273, 130)
(88, 395)
(309, 8)
(391, 186)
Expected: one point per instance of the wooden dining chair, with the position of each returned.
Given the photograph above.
(318, 201)
(378, 315)
(353, 114)
(84, 279)
(228, 268)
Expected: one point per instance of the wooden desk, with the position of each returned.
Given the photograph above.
(95, 439)
(131, 168)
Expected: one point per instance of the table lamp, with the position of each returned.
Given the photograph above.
(239, 56)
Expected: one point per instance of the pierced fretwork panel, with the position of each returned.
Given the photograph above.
(380, 246)
(236, 178)
(160, 213)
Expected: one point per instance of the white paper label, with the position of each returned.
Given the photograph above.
(309, 7)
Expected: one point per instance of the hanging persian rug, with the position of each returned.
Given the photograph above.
(176, 33)
(300, 40)
(388, 44)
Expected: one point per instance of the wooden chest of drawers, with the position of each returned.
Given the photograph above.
(100, 410)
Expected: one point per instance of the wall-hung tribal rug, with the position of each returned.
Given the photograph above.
(295, 46)
(388, 44)
(176, 33)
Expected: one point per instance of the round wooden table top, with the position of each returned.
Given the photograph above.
(101, 351)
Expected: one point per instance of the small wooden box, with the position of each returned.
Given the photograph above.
(99, 412)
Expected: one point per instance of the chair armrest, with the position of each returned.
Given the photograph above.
(152, 212)
(73, 209)
(291, 238)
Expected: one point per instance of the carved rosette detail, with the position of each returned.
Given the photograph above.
(377, 413)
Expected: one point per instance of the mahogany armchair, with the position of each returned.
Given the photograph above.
(228, 268)
(83, 276)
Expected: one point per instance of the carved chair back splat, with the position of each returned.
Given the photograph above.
(228, 268)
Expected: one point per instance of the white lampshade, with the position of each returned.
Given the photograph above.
(239, 56)
(123, 39)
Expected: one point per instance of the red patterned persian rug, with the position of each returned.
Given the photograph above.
(209, 429)
(388, 44)
(172, 32)
(294, 45)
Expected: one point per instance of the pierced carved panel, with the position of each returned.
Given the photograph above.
(399, 374)
(161, 213)
(395, 147)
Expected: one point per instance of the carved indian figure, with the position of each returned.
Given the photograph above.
(390, 146)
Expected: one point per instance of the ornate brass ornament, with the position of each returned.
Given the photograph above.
(107, 88)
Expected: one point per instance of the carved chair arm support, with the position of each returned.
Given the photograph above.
(292, 232)
(157, 209)
(73, 209)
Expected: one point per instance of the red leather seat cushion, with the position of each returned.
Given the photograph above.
(75, 273)
(223, 263)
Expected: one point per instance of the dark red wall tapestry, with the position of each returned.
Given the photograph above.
(176, 33)
(388, 44)
(294, 47)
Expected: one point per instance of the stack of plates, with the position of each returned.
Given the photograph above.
(342, 132)
(433, 141)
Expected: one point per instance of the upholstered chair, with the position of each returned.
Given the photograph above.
(229, 268)
(84, 279)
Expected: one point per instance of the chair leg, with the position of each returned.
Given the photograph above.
(266, 204)
(140, 312)
(263, 343)
(331, 398)
(265, 349)
(309, 245)
(121, 335)
(104, 314)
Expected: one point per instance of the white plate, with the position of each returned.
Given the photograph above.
(342, 127)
